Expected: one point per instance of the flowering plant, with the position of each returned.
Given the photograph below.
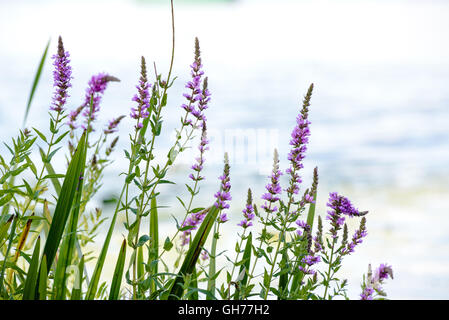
(45, 226)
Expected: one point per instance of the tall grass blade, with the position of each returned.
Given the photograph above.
(67, 249)
(72, 182)
(118, 273)
(31, 279)
(35, 82)
(42, 289)
(193, 253)
(212, 264)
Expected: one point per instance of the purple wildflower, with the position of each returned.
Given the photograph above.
(383, 272)
(248, 212)
(356, 238)
(373, 284)
(299, 139)
(193, 220)
(204, 255)
(274, 188)
(302, 224)
(318, 239)
(112, 126)
(197, 95)
(311, 260)
(73, 115)
(223, 218)
(367, 294)
(96, 87)
(339, 205)
(198, 166)
(224, 195)
(143, 97)
(61, 75)
(307, 270)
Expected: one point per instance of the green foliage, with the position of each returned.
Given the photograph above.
(37, 202)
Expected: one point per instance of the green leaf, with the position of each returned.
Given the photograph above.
(77, 285)
(31, 279)
(35, 82)
(118, 273)
(42, 289)
(212, 264)
(66, 251)
(72, 183)
(142, 240)
(8, 249)
(153, 253)
(244, 268)
(167, 244)
(41, 135)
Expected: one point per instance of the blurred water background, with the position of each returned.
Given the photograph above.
(379, 111)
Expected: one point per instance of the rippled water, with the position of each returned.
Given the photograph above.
(379, 111)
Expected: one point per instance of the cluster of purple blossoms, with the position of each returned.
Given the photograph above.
(367, 294)
(224, 194)
(61, 76)
(303, 225)
(204, 255)
(73, 115)
(373, 284)
(198, 98)
(96, 87)
(383, 272)
(357, 238)
(274, 188)
(299, 140)
(193, 220)
(340, 206)
(112, 126)
(248, 212)
(309, 261)
(198, 166)
(142, 98)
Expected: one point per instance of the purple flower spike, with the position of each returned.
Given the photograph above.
(73, 115)
(224, 195)
(143, 97)
(112, 126)
(61, 76)
(274, 188)
(357, 238)
(193, 220)
(311, 260)
(96, 87)
(223, 218)
(373, 284)
(367, 294)
(383, 272)
(299, 139)
(198, 166)
(248, 212)
(198, 98)
(339, 205)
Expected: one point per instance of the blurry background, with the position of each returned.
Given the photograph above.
(379, 111)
